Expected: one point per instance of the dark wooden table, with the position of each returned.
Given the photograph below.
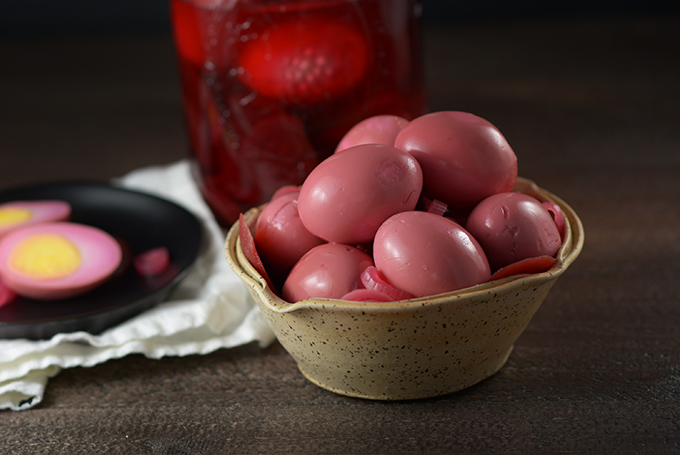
(591, 105)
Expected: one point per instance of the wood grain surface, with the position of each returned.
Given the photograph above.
(591, 106)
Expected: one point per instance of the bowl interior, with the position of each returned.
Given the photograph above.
(568, 252)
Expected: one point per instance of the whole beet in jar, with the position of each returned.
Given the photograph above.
(271, 86)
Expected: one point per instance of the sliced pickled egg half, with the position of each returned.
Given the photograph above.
(52, 261)
(22, 213)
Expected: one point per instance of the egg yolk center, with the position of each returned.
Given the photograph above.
(45, 257)
(14, 215)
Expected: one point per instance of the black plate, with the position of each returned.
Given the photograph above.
(138, 220)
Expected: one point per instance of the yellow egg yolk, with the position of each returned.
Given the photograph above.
(14, 215)
(45, 257)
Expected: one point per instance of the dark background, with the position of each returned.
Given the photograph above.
(51, 17)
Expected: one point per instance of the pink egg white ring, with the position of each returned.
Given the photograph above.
(100, 255)
(39, 212)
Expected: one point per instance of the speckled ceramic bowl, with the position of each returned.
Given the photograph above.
(415, 348)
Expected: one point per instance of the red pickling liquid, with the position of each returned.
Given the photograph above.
(271, 86)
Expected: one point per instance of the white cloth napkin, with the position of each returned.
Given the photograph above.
(210, 309)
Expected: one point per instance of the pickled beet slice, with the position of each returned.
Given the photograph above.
(367, 295)
(305, 61)
(437, 207)
(374, 280)
(529, 265)
(557, 215)
(6, 294)
(249, 250)
(152, 262)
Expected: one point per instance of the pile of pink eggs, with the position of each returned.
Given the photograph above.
(404, 209)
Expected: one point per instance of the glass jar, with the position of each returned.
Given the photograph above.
(270, 86)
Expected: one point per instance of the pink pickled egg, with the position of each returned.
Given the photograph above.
(51, 261)
(374, 280)
(349, 195)
(305, 62)
(464, 158)
(331, 271)
(379, 129)
(427, 254)
(22, 213)
(513, 226)
(286, 189)
(280, 237)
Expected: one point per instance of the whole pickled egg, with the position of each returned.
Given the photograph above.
(464, 157)
(379, 129)
(280, 237)
(349, 195)
(22, 213)
(427, 254)
(51, 261)
(513, 226)
(306, 61)
(331, 271)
